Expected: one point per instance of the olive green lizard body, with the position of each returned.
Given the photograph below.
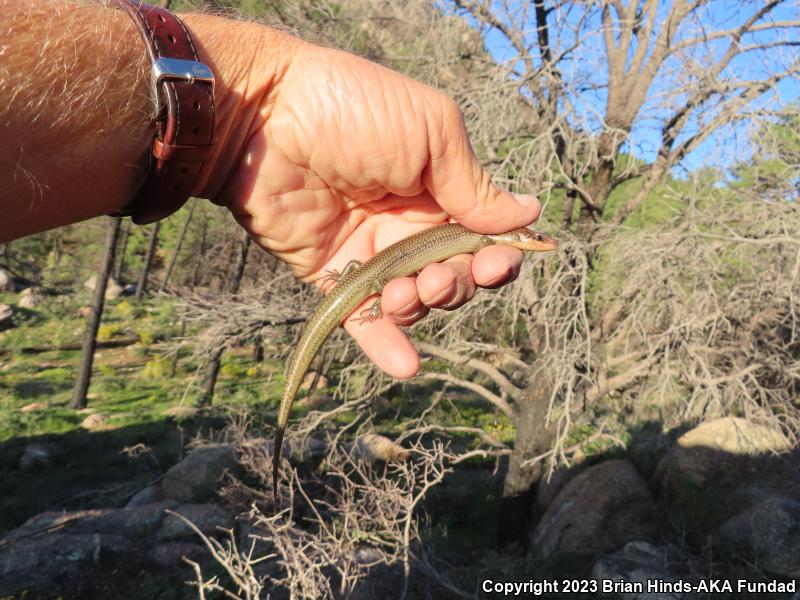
(358, 281)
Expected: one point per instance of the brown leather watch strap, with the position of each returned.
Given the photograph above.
(185, 117)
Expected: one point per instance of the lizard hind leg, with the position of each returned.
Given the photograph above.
(370, 314)
(332, 275)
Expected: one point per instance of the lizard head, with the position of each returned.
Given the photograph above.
(525, 239)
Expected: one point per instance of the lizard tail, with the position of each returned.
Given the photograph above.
(276, 461)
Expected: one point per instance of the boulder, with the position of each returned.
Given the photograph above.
(767, 535)
(94, 421)
(140, 522)
(374, 448)
(171, 554)
(199, 474)
(6, 282)
(309, 378)
(369, 555)
(6, 313)
(10, 454)
(55, 558)
(208, 518)
(642, 562)
(600, 510)
(36, 456)
(257, 451)
(549, 487)
(30, 298)
(723, 467)
(145, 496)
(34, 407)
(113, 289)
(646, 451)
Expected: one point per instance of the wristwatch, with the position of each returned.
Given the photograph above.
(182, 88)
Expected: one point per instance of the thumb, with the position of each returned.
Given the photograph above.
(465, 190)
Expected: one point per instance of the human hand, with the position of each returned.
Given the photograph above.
(343, 158)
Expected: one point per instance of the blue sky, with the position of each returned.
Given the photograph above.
(726, 145)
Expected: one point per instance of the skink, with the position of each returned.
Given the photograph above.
(358, 281)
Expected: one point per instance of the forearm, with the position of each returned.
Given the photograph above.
(76, 113)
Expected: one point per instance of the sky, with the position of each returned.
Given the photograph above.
(726, 145)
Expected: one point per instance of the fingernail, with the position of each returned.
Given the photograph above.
(525, 199)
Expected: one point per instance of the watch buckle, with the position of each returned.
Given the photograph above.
(177, 69)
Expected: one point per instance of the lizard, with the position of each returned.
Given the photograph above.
(358, 281)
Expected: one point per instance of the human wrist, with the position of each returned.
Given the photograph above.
(248, 60)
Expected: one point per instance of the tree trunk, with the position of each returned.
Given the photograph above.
(535, 436)
(241, 262)
(212, 369)
(148, 262)
(201, 255)
(123, 245)
(93, 322)
(174, 258)
(175, 358)
(258, 348)
(210, 379)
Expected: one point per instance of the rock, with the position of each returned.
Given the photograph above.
(94, 421)
(600, 510)
(303, 450)
(170, 554)
(646, 452)
(129, 290)
(767, 534)
(140, 522)
(6, 313)
(30, 298)
(199, 474)
(322, 382)
(181, 411)
(252, 538)
(36, 456)
(722, 467)
(208, 518)
(315, 401)
(548, 489)
(34, 406)
(697, 453)
(6, 282)
(55, 558)
(113, 289)
(145, 496)
(369, 555)
(10, 454)
(643, 562)
(374, 448)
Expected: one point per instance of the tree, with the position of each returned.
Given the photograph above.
(93, 320)
(119, 269)
(592, 76)
(213, 364)
(141, 285)
(176, 252)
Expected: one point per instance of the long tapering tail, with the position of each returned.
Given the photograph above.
(276, 460)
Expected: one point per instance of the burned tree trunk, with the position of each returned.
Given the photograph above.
(174, 258)
(123, 245)
(93, 322)
(535, 436)
(148, 262)
(200, 255)
(212, 368)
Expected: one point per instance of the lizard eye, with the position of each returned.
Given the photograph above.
(538, 237)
